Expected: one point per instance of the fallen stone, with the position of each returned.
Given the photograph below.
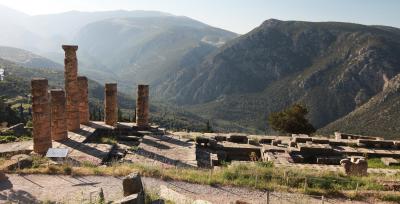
(375, 143)
(320, 141)
(355, 166)
(131, 199)
(220, 138)
(389, 161)
(301, 139)
(17, 161)
(129, 138)
(241, 139)
(202, 141)
(276, 142)
(132, 184)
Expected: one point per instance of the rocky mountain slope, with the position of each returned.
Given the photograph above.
(27, 59)
(379, 116)
(332, 68)
(147, 50)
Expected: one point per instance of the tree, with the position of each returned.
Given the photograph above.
(291, 120)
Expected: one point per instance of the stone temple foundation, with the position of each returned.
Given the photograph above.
(71, 87)
(84, 100)
(58, 121)
(110, 104)
(142, 106)
(40, 116)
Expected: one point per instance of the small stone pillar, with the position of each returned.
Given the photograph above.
(110, 104)
(40, 116)
(71, 87)
(84, 100)
(58, 115)
(142, 106)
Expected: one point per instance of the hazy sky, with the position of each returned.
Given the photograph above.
(236, 15)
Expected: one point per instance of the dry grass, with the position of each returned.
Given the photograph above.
(257, 175)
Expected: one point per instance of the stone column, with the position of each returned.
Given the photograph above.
(71, 87)
(40, 116)
(142, 106)
(110, 104)
(84, 100)
(58, 115)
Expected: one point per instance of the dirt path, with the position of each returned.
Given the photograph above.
(67, 189)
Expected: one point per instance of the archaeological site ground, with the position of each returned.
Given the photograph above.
(72, 159)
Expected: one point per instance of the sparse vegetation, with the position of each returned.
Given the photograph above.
(260, 175)
(377, 163)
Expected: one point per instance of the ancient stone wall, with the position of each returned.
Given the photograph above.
(110, 104)
(84, 100)
(142, 106)
(40, 116)
(58, 115)
(71, 87)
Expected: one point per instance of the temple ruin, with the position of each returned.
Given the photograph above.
(71, 87)
(84, 100)
(110, 104)
(142, 106)
(61, 118)
(40, 116)
(59, 130)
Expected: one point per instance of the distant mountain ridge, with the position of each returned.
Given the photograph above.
(331, 67)
(27, 59)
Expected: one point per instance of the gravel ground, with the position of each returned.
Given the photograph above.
(67, 189)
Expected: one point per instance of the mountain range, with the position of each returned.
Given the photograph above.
(346, 74)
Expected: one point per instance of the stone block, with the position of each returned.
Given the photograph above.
(253, 142)
(355, 166)
(137, 198)
(18, 161)
(132, 184)
(276, 142)
(220, 138)
(202, 141)
(266, 140)
(241, 139)
(301, 139)
(329, 160)
(375, 143)
(389, 161)
(320, 141)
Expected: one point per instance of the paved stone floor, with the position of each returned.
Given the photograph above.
(67, 189)
(164, 150)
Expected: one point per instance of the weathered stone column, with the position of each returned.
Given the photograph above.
(110, 104)
(142, 106)
(58, 115)
(71, 87)
(84, 100)
(40, 116)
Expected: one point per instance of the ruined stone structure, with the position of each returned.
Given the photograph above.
(71, 87)
(110, 104)
(58, 115)
(355, 166)
(142, 106)
(40, 116)
(84, 100)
